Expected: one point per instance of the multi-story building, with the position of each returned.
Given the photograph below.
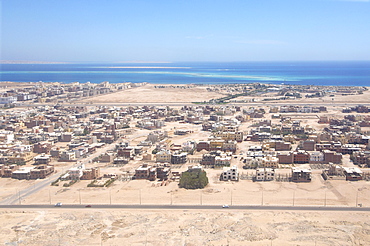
(91, 173)
(143, 171)
(163, 156)
(301, 157)
(41, 172)
(265, 174)
(331, 156)
(203, 145)
(301, 175)
(179, 158)
(269, 162)
(230, 173)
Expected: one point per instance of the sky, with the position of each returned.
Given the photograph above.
(191, 30)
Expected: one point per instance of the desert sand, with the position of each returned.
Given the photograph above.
(153, 94)
(182, 227)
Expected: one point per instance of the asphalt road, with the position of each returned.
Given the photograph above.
(21, 194)
(192, 207)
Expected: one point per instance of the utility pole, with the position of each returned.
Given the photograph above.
(231, 198)
(262, 198)
(79, 195)
(201, 198)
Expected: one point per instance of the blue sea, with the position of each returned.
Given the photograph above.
(296, 73)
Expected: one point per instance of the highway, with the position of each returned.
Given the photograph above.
(191, 207)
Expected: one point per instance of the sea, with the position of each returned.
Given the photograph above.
(338, 73)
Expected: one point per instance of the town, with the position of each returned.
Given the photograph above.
(89, 145)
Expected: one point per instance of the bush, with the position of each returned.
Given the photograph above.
(193, 180)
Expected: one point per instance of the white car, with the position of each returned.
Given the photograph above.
(59, 204)
(225, 206)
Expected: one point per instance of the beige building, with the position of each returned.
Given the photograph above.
(269, 162)
(163, 156)
(265, 174)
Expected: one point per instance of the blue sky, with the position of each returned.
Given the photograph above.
(191, 30)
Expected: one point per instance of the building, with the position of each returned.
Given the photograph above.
(42, 159)
(308, 145)
(301, 175)
(222, 160)
(301, 157)
(8, 100)
(67, 156)
(143, 171)
(331, 156)
(203, 145)
(316, 157)
(163, 156)
(285, 158)
(41, 172)
(22, 173)
(282, 146)
(230, 174)
(229, 146)
(179, 158)
(91, 173)
(75, 173)
(352, 173)
(264, 174)
(268, 162)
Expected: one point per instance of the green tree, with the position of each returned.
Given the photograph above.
(193, 180)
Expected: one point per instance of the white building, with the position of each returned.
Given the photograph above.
(316, 157)
(76, 172)
(7, 100)
(230, 173)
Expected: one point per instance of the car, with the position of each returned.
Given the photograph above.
(88, 206)
(225, 206)
(59, 204)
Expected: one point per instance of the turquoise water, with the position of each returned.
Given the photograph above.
(303, 73)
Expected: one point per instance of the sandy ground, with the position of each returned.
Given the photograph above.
(244, 192)
(150, 94)
(219, 227)
(182, 227)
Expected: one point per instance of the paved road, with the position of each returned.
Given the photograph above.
(22, 194)
(193, 207)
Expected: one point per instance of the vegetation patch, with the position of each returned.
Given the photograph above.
(193, 180)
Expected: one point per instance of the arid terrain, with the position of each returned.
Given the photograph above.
(191, 228)
(90, 226)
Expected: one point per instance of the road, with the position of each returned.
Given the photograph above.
(22, 194)
(192, 207)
